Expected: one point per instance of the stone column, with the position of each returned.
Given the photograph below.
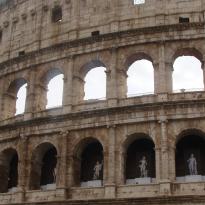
(111, 85)
(61, 179)
(165, 186)
(22, 166)
(164, 150)
(68, 86)
(163, 73)
(172, 163)
(36, 94)
(158, 163)
(78, 89)
(30, 97)
(110, 168)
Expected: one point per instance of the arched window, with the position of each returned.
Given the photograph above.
(8, 171)
(21, 99)
(55, 91)
(95, 84)
(43, 169)
(15, 98)
(140, 161)
(89, 164)
(190, 156)
(140, 79)
(187, 75)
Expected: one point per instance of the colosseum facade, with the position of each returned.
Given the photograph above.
(86, 151)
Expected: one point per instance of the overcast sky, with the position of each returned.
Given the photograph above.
(187, 75)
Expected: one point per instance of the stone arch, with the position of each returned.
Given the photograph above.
(190, 144)
(135, 57)
(82, 84)
(140, 69)
(8, 170)
(180, 59)
(187, 52)
(46, 77)
(86, 154)
(43, 166)
(10, 96)
(139, 148)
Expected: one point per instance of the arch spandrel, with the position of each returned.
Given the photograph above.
(80, 144)
(133, 137)
(189, 51)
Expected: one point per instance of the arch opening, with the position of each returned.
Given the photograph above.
(89, 164)
(140, 79)
(21, 99)
(9, 171)
(189, 158)
(140, 162)
(55, 91)
(43, 168)
(188, 74)
(15, 98)
(95, 84)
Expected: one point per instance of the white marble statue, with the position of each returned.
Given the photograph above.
(97, 169)
(192, 164)
(143, 167)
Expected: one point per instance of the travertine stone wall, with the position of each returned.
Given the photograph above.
(128, 33)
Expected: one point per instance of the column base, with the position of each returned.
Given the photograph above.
(165, 187)
(110, 191)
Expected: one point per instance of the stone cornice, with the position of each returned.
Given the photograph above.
(81, 115)
(104, 37)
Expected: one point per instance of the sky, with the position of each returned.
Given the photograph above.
(187, 75)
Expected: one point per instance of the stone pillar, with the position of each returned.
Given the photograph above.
(36, 94)
(78, 89)
(30, 97)
(172, 163)
(122, 83)
(9, 105)
(120, 167)
(164, 151)
(165, 185)
(22, 166)
(163, 73)
(61, 179)
(158, 163)
(68, 86)
(111, 85)
(110, 168)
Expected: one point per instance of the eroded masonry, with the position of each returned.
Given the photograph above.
(143, 149)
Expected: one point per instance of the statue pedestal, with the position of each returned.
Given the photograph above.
(193, 178)
(190, 178)
(145, 180)
(94, 183)
(13, 189)
(48, 187)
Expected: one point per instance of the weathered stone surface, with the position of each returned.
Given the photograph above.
(32, 46)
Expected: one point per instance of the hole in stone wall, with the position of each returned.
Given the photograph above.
(57, 14)
(183, 20)
(95, 33)
(138, 2)
(21, 53)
